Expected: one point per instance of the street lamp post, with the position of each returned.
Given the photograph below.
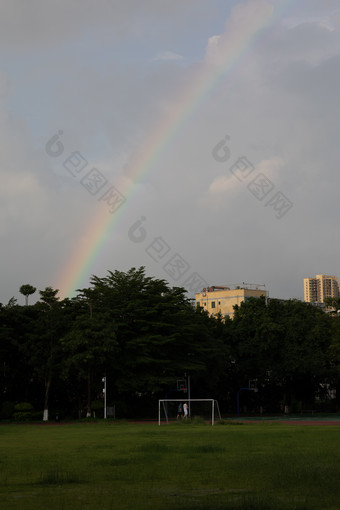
(104, 391)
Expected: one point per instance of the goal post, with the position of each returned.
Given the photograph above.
(163, 406)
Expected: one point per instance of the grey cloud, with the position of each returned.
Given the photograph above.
(277, 103)
(29, 24)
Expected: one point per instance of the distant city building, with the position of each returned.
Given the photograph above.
(318, 288)
(221, 300)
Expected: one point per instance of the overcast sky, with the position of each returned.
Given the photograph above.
(174, 78)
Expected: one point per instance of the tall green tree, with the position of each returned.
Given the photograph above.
(282, 344)
(27, 290)
(16, 323)
(334, 357)
(43, 348)
(90, 344)
(160, 335)
(333, 302)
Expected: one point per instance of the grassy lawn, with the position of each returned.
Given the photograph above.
(181, 466)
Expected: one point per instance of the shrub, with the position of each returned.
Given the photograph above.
(23, 411)
(23, 407)
(19, 416)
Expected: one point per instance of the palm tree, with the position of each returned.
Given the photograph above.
(26, 290)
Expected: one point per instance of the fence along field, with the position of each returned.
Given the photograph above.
(180, 465)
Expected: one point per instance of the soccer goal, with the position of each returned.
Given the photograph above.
(206, 408)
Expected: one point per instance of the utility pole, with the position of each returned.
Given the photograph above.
(104, 391)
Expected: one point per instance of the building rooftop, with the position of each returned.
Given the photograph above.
(235, 286)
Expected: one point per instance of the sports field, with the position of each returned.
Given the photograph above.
(249, 466)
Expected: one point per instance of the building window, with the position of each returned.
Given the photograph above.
(213, 304)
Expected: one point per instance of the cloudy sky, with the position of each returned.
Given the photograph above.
(199, 138)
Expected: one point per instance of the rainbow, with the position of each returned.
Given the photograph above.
(206, 79)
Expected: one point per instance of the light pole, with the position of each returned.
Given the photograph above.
(104, 391)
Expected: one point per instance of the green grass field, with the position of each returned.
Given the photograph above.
(178, 466)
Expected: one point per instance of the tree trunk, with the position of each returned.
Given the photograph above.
(47, 391)
(89, 406)
(80, 407)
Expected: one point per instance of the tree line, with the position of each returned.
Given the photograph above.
(144, 336)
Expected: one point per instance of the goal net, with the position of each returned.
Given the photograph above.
(173, 409)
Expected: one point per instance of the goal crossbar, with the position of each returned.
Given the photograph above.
(214, 407)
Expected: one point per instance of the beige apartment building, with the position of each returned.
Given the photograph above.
(318, 288)
(219, 299)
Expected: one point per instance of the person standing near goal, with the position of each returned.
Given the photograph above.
(185, 409)
(180, 411)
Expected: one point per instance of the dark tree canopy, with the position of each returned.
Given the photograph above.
(27, 290)
(144, 336)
